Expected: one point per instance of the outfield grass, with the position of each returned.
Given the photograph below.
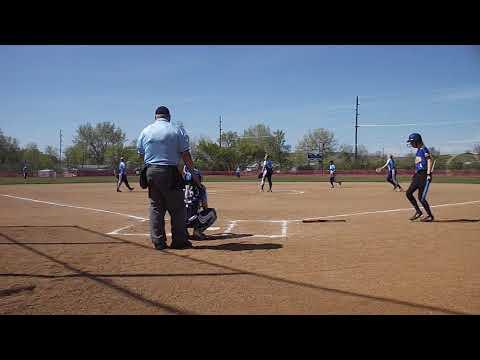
(213, 178)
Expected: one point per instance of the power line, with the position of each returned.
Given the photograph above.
(421, 124)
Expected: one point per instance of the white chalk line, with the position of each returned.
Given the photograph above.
(243, 191)
(388, 211)
(233, 223)
(75, 207)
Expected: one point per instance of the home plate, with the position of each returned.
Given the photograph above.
(213, 228)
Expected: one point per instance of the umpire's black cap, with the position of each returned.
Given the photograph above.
(162, 110)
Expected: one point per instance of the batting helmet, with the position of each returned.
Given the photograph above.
(414, 139)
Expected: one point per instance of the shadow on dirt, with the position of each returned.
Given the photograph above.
(224, 236)
(16, 290)
(457, 221)
(239, 247)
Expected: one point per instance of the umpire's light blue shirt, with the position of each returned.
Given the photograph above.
(162, 143)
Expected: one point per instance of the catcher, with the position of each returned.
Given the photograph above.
(199, 216)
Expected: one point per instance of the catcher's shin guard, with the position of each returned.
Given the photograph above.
(205, 219)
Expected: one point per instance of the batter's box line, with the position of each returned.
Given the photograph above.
(284, 227)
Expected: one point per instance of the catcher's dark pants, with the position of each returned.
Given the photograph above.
(419, 181)
(166, 194)
(123, 179)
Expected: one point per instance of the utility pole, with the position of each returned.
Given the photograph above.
(356, 129)
(220, 127)
(60, 158)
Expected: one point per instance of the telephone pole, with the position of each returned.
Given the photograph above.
(60, 158)
(220, 127)
(356, 129)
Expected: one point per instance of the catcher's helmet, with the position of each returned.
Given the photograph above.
(414, 139)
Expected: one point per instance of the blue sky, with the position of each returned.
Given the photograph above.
(293, 88)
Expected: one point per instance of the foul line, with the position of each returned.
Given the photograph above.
(387, 211)
(75, 207)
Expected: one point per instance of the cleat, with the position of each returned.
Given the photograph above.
(427, 218)
(416, 216)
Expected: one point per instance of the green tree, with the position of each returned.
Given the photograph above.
(98, 139)
(318, 140)
(10, 152)
(76, 155)
(229, 139)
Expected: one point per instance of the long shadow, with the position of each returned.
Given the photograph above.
(37, 226)
(76, 275)
(105, 282)
(16, 290)
(239, 247)
(457, 221)
(224, 237)
(65, 243)
(292, 282)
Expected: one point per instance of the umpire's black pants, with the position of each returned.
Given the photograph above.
(166, 194)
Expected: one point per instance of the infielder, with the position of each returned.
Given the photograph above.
(422, 178)
(267, 172)
(25, 171)
(332, 169)
(391, 173)
(122, 175)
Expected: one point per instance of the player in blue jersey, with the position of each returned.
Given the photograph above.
(267, 172)
(422, 178)
(391, 173)
(25, 171)
(199, 216)
(332, 170)
(122, 175)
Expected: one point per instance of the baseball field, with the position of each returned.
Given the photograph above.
(82, 248)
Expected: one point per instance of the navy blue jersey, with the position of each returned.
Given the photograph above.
(391, 165)
(332, 168)
(421, 159)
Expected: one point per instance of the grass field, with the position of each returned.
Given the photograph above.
(212, 178)
(85, 249)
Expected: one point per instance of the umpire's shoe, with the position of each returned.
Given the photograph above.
(160, 246)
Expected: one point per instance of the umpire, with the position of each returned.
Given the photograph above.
(162, 146)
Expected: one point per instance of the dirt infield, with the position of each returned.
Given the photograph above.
(84, 249)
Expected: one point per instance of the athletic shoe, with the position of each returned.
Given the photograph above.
(119, 190)
(416, 216)
(270, 190)
(186, 245)
(131, 189)
(160, 246)
(427, 218)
